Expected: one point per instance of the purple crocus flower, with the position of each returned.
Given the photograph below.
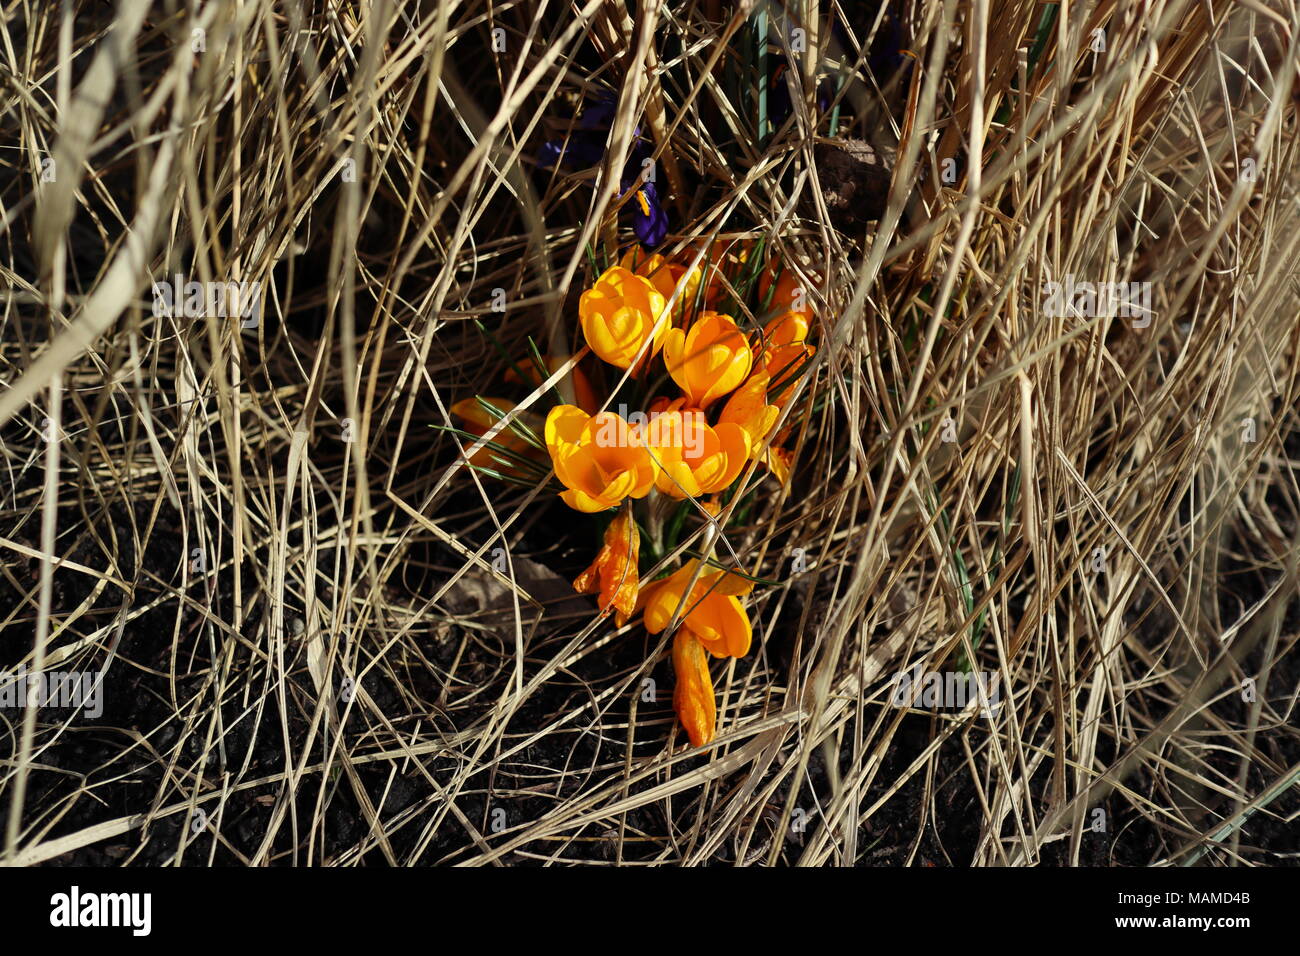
(649, 221)
(584, 145)
(584, 148)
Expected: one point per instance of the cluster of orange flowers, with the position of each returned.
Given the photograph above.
(730, 388)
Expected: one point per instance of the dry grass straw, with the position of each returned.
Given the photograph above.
(372, 165)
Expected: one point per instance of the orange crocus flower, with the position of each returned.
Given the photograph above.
(693, 457)
(479, 421)
(785, 329)
(613, 576)
(783, 365)
(667, 276)
(620, 315)
(708, 361)
(790, 294)
(713, 612)
(598, 458)
(693, 696)
(748, 407)
(726, 259)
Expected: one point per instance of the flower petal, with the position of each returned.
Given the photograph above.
(693, 696)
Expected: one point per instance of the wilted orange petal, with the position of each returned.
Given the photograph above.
(779, 461)
(693, 696)
(613, 575)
